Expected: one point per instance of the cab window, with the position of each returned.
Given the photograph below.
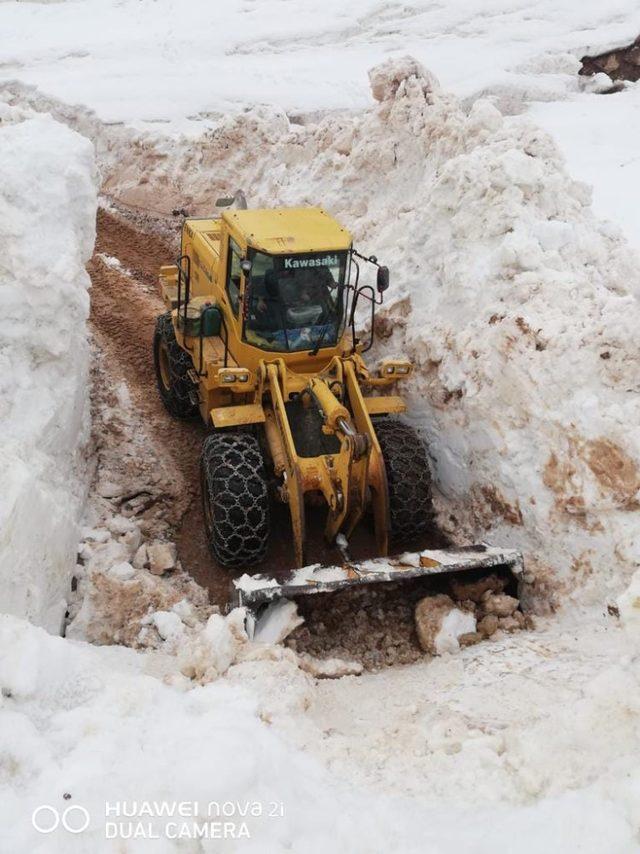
(296, 302)
(233, 275)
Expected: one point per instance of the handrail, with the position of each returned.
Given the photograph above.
(226, 338)
(184, 259)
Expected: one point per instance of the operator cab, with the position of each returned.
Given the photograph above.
(295, 302)
(287, 276)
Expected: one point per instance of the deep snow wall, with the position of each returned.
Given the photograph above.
(48, 199)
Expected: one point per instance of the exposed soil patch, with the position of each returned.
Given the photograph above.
(375, 624)
(616, 472)
(499, 506)
(622, 63)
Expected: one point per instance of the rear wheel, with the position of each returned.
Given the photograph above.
(235, 498)
(172, 364)
(408, 479)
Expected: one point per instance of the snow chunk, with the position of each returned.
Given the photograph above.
(328, 668)
(254, 582)
(210, 654)
(162, 557)
(279, 619)
(122, 571)
(439, 624)
(455, 624)
(388, 78)
(168, 624)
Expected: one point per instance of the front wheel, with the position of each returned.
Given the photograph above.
(235, 498)
(408, 479)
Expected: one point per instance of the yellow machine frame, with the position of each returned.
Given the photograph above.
(239, 383)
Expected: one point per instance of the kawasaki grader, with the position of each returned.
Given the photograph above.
(259, 339)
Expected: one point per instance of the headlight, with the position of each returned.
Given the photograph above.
(395, 368)
(227, 377)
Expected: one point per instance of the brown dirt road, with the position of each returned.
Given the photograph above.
(124, 307)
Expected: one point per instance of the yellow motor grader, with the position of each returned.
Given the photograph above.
(259, 339)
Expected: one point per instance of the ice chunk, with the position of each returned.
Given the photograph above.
(279, 619)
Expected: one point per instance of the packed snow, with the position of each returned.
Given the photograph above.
(517, 305)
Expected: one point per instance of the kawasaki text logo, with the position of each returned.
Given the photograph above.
(300, 263)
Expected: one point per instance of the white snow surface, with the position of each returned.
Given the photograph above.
(47, 204)
(531, 747)
(136, 61)
(522, 328)
(146, 63)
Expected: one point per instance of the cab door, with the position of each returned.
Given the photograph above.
(234, 284)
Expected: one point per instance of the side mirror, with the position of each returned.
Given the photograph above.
(224, 202)
(246, 265)
(382, 279)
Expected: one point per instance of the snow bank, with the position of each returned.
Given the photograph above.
(88, 722)
(47, 215)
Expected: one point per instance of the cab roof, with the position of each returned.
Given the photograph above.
(285, 231)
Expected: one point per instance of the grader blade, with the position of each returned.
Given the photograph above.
(253, 591)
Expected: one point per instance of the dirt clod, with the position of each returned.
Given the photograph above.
(474, 590)
(499, 604)
(488, 625)
(470, 638)
(162, 557)
(431, 613)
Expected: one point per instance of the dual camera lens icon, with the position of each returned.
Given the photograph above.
(46, 819)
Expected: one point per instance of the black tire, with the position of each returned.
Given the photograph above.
(235, 498)
(408, 478)
(171, 363)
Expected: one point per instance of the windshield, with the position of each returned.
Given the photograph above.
(295, 302)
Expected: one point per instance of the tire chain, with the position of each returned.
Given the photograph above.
(178, 401)
(408, 478)
(236, 481)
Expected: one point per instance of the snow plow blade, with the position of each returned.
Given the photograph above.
(254, 590)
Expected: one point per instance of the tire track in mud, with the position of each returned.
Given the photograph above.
(123, 312)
